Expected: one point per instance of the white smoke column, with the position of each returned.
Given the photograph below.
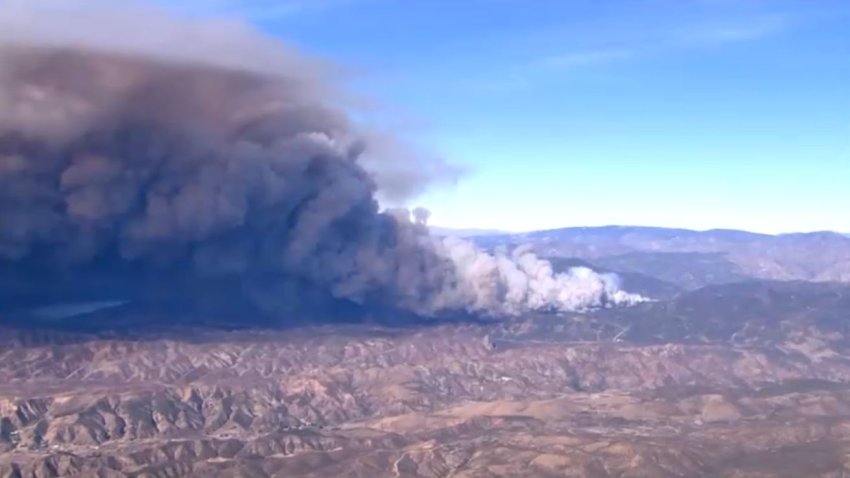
(512, 283)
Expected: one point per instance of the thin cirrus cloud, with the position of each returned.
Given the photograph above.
(692, 37)
(754, 29)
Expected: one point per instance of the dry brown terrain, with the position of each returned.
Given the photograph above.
(582, 396)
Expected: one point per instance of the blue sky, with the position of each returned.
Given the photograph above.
(686, 113)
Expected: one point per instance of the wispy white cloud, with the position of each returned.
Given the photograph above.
(732, 32)
(695, 36)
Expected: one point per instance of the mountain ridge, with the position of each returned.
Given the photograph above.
(733, 254)
(642, 228)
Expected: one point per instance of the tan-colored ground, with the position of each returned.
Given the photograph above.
(456, 400)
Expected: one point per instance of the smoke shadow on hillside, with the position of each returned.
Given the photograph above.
(39, 306)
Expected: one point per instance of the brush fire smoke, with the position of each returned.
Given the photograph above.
(211, 145)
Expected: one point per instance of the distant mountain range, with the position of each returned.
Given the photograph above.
(686, 260)
(453, 232)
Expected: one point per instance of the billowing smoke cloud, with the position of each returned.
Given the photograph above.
(141, 139)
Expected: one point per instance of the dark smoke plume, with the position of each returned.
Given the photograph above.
(183, 144)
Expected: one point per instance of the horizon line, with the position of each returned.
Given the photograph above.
(492, 231)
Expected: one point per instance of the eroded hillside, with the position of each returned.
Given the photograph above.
(727, 381)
